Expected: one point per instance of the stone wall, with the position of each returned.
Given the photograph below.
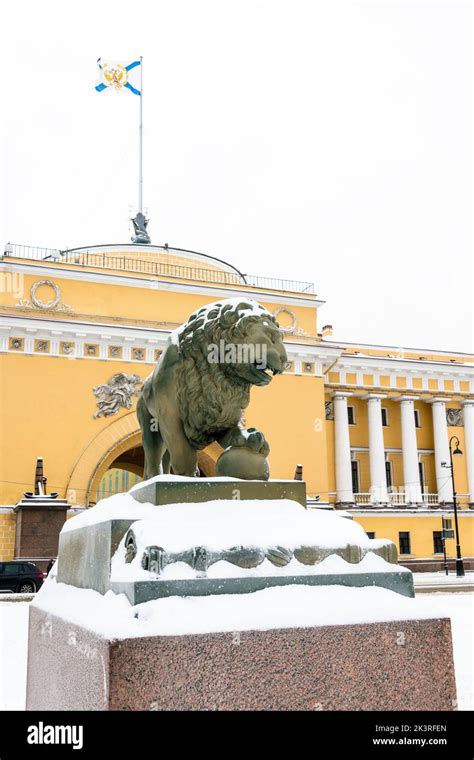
(7, 533)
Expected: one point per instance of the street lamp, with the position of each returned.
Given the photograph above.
(457, 452)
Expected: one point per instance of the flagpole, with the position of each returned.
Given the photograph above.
(140, 151)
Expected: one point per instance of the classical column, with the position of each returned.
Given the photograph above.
(342, 449)
(468, 406)
(411, 471)
(378, 476)
(441, 446)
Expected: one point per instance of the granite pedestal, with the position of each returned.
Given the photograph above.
(38, 525)
(402, 665)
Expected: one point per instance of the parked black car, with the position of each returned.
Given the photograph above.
(20, 577)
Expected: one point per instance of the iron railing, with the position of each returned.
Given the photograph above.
(399, 499)
(102, 260)
(31, 252)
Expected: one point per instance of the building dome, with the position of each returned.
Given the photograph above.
(156, 260)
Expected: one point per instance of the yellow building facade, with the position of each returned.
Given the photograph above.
(82, 329)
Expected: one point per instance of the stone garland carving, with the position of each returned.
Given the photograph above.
(116, 394)
(54, 304)
(155, 558)
(454, 417)
(329, 409)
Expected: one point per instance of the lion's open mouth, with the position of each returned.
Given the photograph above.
(265, 372)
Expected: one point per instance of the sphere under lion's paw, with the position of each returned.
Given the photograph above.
(242, 462)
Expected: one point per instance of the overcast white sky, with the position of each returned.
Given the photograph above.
(325, 141)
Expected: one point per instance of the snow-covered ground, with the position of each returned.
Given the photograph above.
(441, 579)
(13, 650)
(460, 607)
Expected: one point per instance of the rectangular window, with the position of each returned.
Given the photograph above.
(447, 523)
(370, 534)
(384, 417)
(437, 542)
(422, 476)
(351, 415)
(417, 419)
(404, 542)
(355, 476)
(388, 474)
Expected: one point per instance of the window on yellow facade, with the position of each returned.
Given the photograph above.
(351, 415)
(384, 417)
(421, 471)
(404, 542)
(355, 476)
(417, 419)
(437, 542)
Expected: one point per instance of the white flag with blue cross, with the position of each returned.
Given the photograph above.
(119, 76)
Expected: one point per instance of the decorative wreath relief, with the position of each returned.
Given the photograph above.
(291, 329)
(45, 304)
(54, 304)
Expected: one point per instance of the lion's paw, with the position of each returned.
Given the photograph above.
(257, 441)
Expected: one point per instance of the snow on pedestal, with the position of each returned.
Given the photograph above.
(286, 647)
(240, 541)
(112, 616)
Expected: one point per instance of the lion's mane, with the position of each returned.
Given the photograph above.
(211, 399)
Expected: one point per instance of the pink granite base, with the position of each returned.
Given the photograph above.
(405, 665)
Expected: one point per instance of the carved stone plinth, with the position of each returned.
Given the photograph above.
(196, 490)
(138, 592)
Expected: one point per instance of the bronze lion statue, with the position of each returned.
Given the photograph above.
(201, 384)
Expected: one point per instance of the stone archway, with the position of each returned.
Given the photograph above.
(132, 461)
(113, 441)
(118, 436)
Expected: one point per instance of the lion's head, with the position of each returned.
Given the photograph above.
(237, 337)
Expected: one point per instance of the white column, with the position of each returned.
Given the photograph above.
(411, 471)
(342, 449)
(441, 446)
(468, 406)
(378, 477)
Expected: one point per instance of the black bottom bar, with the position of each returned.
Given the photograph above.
(120, 734)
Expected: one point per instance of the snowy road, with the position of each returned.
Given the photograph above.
(14, 644)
